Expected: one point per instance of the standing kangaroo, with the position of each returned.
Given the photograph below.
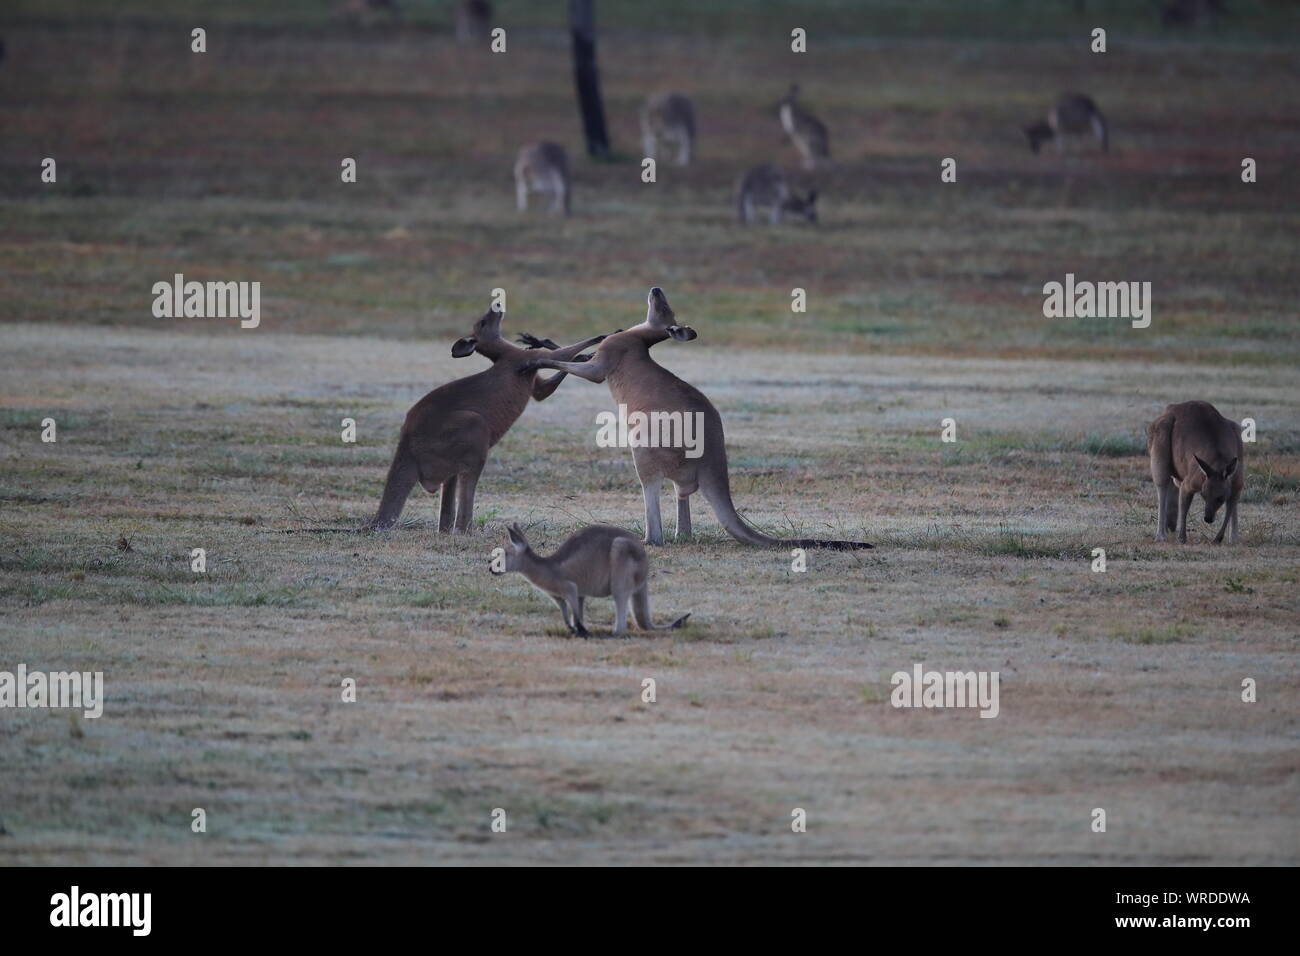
(598, 561)
(641, 384)
(806, 131)
(1194, 448)
(543, 168)
(1073, 115)
(668, 119)
(767, 186)
(447, 434)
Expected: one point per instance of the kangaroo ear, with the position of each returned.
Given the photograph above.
(463, 347)
(1232, 466)
(1206, 470)
(517, 536)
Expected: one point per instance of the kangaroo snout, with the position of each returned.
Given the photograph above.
(682, 333)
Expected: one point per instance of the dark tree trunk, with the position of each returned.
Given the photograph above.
(582, 30)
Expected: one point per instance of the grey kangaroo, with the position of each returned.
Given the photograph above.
(643, 385)
(668, 120)
(806, 131)
(598, 561)
(1073, 115)
(447, 434)
(767, 186)
(1194, 448)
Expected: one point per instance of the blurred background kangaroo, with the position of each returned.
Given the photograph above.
(668, 120)
(543, 168)
(1194, 448)
(598, 561)
(473, 21)
(641, 384)
(446, 437)
(1073, 116)
(806, 131)
(766, 186)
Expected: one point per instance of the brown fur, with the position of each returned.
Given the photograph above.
(598, 561)
(642, 384)
(447, 434)
(1195, 449)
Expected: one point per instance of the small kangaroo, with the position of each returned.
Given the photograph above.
(543, 168)
(767, 186)
(805, 130)
(1073, 115)
(668, 119)
(598, 561)
(643, 385)
(473, 21)
(1194, 448)
(447, 434)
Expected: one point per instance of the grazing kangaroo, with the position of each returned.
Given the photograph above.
(806, 131)
(767, 186)
(1194, 448)
(543, 168)
(668, 119)
(641, 384)
(598, 561)
(473, 21)
(447, 434)
(1073, 115)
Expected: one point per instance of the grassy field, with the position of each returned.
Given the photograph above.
(1118, 690)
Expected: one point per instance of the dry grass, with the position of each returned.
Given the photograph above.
(1119, 690)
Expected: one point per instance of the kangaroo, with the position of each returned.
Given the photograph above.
(473, 21)
(598, 561)
(767, 186)
(643, 385)
(543, 168)
(1073, 115)
(447, 434)
(1194, 448)
(806, 131)
(669, 119)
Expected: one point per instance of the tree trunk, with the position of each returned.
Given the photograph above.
(582, 30)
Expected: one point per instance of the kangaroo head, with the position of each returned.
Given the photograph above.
(1038, 134)
(516, 547)
(659, 316)
(484, 337)
(1217, 485)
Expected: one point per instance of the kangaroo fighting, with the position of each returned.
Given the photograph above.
(446, 437)
(641, 384)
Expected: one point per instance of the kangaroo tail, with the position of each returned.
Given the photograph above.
(402, 476)
(641, 611)
(717, 489)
